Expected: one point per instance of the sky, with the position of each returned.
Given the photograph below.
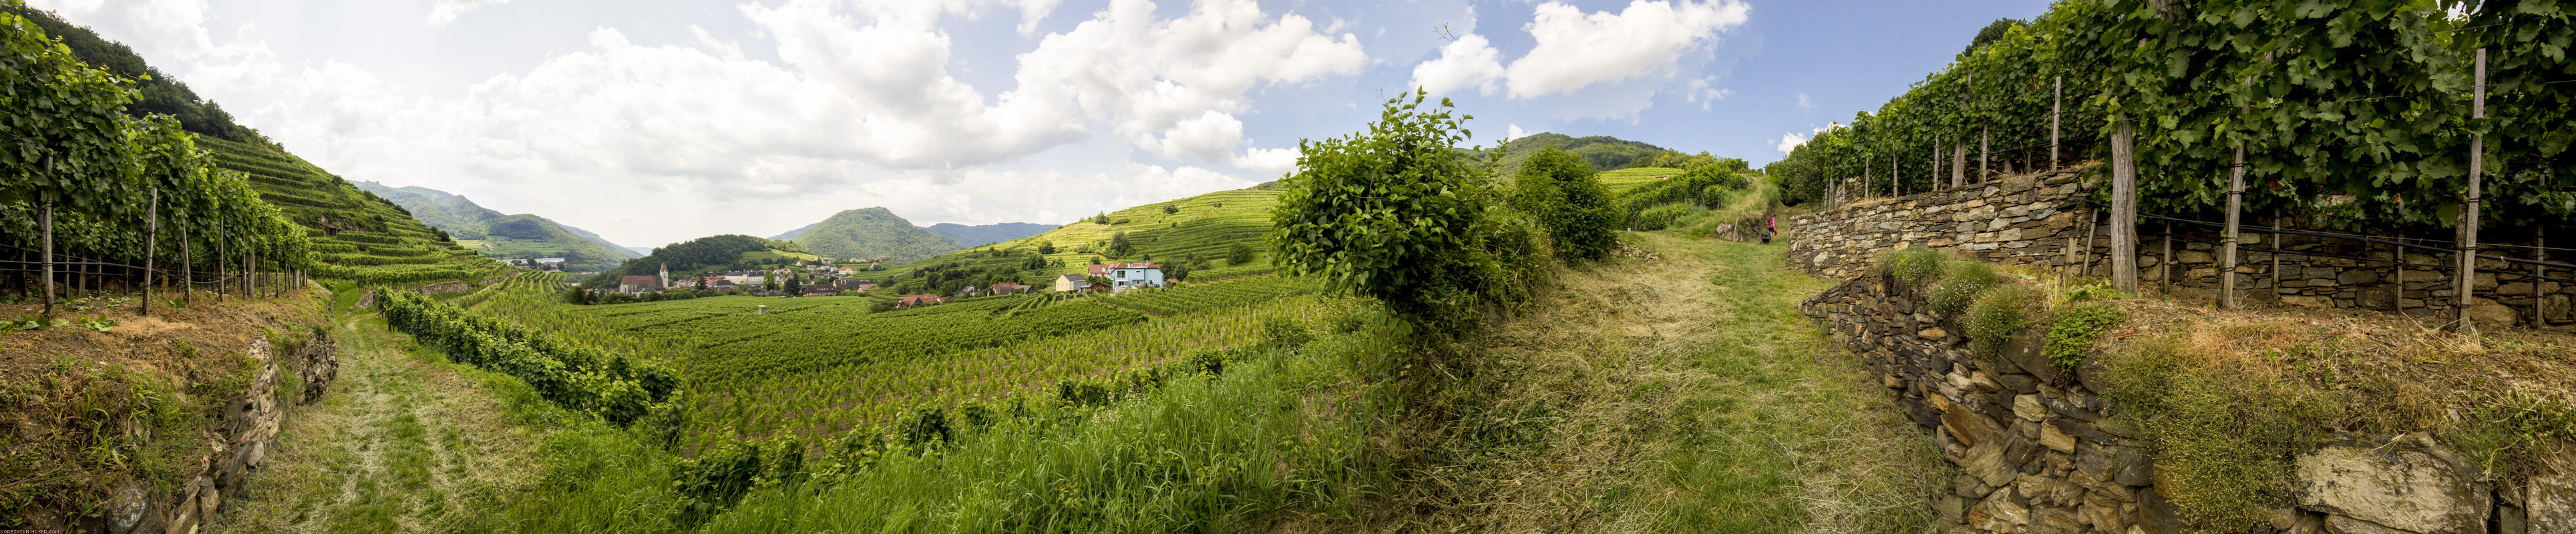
(657, 121)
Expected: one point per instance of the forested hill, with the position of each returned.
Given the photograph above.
(872, 232)
(1603, 152)
(729, 252)
(986, 234)
(494, 234)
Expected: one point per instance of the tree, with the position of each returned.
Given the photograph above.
(1399, 213)
(792, 287)
(1567, 197)
(1102, 219)
(1238, 254)
(1118, 245)
(1046, 247)
(1176, 271)
(577, 295)
(1169, 209)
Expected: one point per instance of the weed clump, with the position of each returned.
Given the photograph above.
(1914, 266)
(1661, 217)
(2076, 330)
(1994, 316)
(1960, 283)
(2223, 443)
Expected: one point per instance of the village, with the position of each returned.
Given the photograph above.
(823, 279)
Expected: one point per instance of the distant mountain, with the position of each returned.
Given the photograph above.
(494, 234)
(641, 251)
(791, 234)
(730, 252)
(984, 234)
(871, 232)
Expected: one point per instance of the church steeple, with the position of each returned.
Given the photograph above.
(666, 274)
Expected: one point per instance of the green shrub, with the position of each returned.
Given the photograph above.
(1567, 198)
(2076, 330)
(2222, 443)
(1994, 316)
(1914, 266)
(1960, 283)
(1661, 217)
(2094, 290)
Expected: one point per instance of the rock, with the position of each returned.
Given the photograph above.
(2056, 440)
(2549, 505)
(2337, 524)
(1934, 334)
(1998, 515)
(2023, 350)
(2131, 468)
(2028, 408)
(127, 507)
(258, 451)
(1964, 424)
(2408, 484)
(1951, 507)
(321, 364)
(2487, 312)
(2103, 517)
(2357, 276)
(2055, 521)
(1988, 465)
(2018, 383)
(2555, 308)
(2308, 302)
(2515, 289)
(2194, 256)
(2156, 515)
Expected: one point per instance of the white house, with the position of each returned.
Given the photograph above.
(1070, 282)
(1123, 276)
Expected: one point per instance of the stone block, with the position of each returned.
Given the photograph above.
(2549, 502)
(2409, 483)
(1964, 424)
(2028, 408)
(1998, 515)
(2055, 439)
(2357, 276)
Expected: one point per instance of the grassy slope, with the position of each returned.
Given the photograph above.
(392, 245)
(1685, 394)
(1622, 180)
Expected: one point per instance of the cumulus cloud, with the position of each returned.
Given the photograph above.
(1143, 76)
(1514, 132)
(446, 11)
(1268, 161)
(1804, 102)
(1575, 49)
(1212, 135)
(1790, 141)
(1465, 63)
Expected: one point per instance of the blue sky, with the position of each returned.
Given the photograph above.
(655, 121)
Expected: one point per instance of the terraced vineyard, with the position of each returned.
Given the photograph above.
(1622, 180)
(378, 242)
(1202, 226)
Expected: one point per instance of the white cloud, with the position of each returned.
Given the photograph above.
(1804, 102)
(1704, 91)
(446, 11)
(1268, 161)
(1143, 76)
(1212, 136)
(1468, 62)
(1790, 141)
(1514, 132)
(1648, 39)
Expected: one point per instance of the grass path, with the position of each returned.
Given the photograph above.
(1687, 394)
(402, 442)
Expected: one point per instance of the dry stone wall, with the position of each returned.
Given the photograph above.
(2039, 450)
(2035, 220)
(250, 423)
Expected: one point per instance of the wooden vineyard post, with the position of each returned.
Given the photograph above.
(151, 226)
(45, 228)
(1959, 163)
(2064, 269)
(187, 269)
(2056, 106)
(2276, 251)
(2539, 252)
(2397, 300)
(2164, 267)
(1892, 175)
(2124, 210)
(1864, 174)
(223, 256)
(1936, 164)
(2467, 273)
(1985, 148)
(2227, 258)
(2092, 225)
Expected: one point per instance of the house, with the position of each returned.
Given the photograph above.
(1007, 288)
(918, 300)
(522, 262)
(543, 261)
(1070, 282)
(642, 283)
(965, 291)
(820, 290)
(1124, 276)
(722, 284)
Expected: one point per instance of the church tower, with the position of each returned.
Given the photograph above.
(666, 274)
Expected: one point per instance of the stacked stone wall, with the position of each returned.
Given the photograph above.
(2035, 220)
(2040, 450)
(250, 423)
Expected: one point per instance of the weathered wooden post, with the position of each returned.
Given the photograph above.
(151, 227)
(187, 268)
(1959, 163)
(2276, 251)
(2056, 107)
(45, 228)
(2467, 273)
(2227, 258)
(1985, 148)
(2164, 267)
(2124, 209)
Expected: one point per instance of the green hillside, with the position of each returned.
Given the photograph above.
(730, 252)
(504, 236)
(872, 232)
(986, 234)
(1198, 229)
(356, 235)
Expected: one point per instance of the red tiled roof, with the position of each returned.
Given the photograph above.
(639, 280)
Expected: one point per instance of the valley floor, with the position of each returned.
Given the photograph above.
(402, 442)
(1683, 393)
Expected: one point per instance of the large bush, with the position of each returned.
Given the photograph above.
(1566, 196)
(1400, 214)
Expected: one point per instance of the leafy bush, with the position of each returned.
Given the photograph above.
(2077, 329)
(1566, 196)
(1994, 316)
(1661, 217)
(1914, 266)
(1400, 214)
(1959, 285)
